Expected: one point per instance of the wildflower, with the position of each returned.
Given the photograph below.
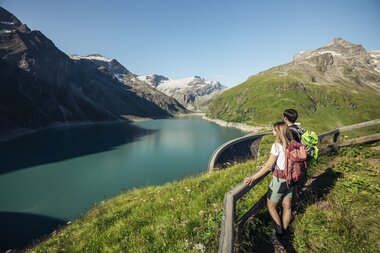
(199, 247)
(183, 223)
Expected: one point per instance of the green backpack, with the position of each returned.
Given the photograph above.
(310, 140)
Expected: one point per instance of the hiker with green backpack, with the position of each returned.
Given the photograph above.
(288, 161)
(307, 138)
(289, 117)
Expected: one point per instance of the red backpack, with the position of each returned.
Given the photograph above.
(295, 163)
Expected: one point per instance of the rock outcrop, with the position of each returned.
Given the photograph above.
(193, 92)
(141, 89)
(42, 86)
(340, 60)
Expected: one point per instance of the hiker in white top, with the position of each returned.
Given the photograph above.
(278, 187)
(278, 150)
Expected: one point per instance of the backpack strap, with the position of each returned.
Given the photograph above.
(278, 173)
(296, 132)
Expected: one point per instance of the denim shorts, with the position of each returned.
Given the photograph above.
(279, 188)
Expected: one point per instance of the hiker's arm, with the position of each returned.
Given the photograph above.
(267, 166)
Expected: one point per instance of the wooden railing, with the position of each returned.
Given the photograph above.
(229, 225)
(336, 132)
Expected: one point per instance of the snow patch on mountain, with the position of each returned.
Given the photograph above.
(333, 53)
(188, 91)
(7, 23)
(6, 31)
(375, 59)
(96, 57)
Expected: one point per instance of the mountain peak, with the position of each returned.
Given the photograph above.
(110, 64)
(9, 23)
(339, 43)
(191, 92)
(340, 60)
(338, 47)
(153, 80)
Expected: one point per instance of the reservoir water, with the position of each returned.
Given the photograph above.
(55, 175)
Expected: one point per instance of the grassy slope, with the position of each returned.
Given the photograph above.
(348, 217)
(181, 216)
(262, 98)
(340, 212)
(185, 216)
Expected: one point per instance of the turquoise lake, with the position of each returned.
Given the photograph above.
(55, 175)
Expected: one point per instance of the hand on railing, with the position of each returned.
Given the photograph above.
(249, 180)
(265, 168)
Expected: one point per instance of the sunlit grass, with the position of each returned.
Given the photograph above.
(185, 216)
(182, 216)
(260, 100)
(348, 218)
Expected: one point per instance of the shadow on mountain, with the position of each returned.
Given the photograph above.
(18, 230)
(58, 144)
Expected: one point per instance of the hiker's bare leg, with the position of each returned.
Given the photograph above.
(274, 214)
(286, 211)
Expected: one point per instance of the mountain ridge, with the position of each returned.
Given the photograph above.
(130, 80)
(335, 85)
(48, 88)
(193, 92)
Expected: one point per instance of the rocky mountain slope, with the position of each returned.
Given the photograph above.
(340, 60)
(41, 86)
(193, 92)
(335, 85)
(130, 80)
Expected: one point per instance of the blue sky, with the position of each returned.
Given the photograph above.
(222, 40)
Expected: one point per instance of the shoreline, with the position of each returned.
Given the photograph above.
(241, 126)
(128, 118)
(134, 118)
(17, 133)
(24, 131)
(189, 114)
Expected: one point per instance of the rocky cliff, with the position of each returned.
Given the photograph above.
(193, 92)
(340, 60)
(41, 86)
(130, 80)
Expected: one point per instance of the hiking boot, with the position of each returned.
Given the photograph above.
(284, 238)
(276, 240)
(287, 234)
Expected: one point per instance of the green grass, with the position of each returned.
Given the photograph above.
(340, 212)
(185, 216)
(347, 219)
(261, 100)
(182, 216)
